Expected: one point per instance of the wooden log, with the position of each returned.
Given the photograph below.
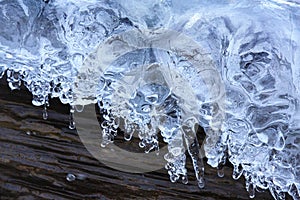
(37, 155)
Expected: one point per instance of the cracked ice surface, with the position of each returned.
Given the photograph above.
(255, 49)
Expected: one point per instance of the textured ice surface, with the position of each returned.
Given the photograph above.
(255, 49)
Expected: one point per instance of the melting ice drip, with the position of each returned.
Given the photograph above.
(255, 46)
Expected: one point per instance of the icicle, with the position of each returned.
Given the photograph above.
(176, 158)
(71, 120)
(194, 151)
(251, 190)
(45, 113)
(156, 149)
(221, 166)
(276, 192)
(107, 138)
(294, 192)
(237, 171)
(129, 130)
(221, 171)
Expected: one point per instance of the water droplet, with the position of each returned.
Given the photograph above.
(141, 145)
(72, 125)
(201, 182)
(128, 136)
(71, 177)
(79, 108)
(103, 145)
(174, 178)
(185, 179)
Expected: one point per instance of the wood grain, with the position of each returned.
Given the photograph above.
(35, 165)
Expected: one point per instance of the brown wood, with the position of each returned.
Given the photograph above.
(35, 166)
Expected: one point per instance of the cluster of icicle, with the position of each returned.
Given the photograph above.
(255, 49)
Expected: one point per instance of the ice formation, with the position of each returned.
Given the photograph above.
(252, 117)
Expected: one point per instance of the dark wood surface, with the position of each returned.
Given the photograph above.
(35, 165)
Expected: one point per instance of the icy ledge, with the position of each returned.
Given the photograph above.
(232, 67)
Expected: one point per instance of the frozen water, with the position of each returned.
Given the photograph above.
(70, 177)
(253, 45)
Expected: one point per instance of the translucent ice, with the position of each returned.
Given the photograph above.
(252, 117)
